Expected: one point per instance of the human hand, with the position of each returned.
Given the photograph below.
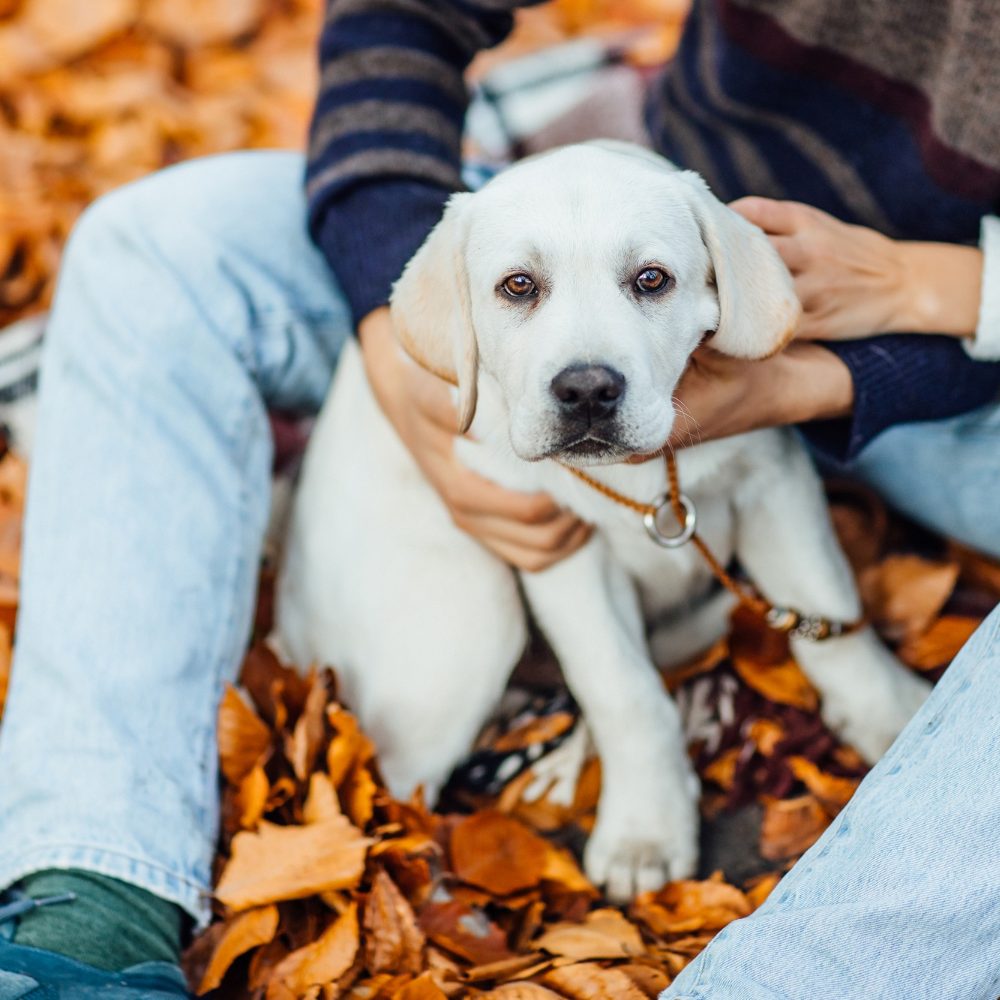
(719, 396)
(529, 531)
(854, 282)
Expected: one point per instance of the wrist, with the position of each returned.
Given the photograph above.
(810, 383)
(941, 291)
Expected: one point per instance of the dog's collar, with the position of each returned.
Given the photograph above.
(793, 623)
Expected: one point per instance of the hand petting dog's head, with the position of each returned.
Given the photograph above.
(581, 281)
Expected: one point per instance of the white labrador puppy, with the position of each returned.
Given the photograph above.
(565, 298)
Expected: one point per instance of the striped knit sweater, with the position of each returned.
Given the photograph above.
(882, 113)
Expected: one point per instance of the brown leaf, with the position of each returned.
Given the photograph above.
(465, 931)
(722, 770)
(537, 730)
(523, 991)
(322, 803)
(252, 796)
(504, 969)
(783, 682)
(603, 934)
(246, 931)
(562, 869)
(358, 794)
(349, 748)
(940, 644)
(303, 744)
(422, 988)
(650, 979)
(194, 22)
(592, 982)
(832, 791)
(761, 888)
(497, 853)
(320, 962)
(243, 738)
(689, 905)
(393, 942)
(791, 826)
(291, 862)
(904, 593)
(766, 734)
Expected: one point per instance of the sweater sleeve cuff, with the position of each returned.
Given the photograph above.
(985, 346)
(369, 232)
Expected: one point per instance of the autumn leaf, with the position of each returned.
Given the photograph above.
(904, 593)
(424, 987)
(791, 826)
(320, 962)
(940, 644)
(523, 991)
(245, 931)
(394, 941)
(290, 862)
(588, 981)
(465, 931)
(498, 853)
(783, 683)
(689, 905)
(243, 737)
(833, 792)
(603, 934)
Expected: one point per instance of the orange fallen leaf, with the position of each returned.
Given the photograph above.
(587, 981)
(290, 862)
(303, 745)
(465, 931)
(394, 941)
(538, 730)
(690, 905)
(603, 934)
(252, 796)
(761, 888)
(651, 980)
(766, 734)
(497, 853)
(243, 738)
(940, 644)
(832, 791)
(523, 991)
(791, 826)
(904, 593)
(246, 931)
(320, 962)
(321, 803)
(722, 770)
(424, 987)
(783, 682)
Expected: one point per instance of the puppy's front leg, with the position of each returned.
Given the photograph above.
(787, 544)
(647, 819)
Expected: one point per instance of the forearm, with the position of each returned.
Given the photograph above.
(385, 141)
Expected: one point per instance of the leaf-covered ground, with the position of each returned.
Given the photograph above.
(326, 887)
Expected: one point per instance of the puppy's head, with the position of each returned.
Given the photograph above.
(582, 280)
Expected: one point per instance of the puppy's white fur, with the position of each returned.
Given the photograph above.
(424, 625)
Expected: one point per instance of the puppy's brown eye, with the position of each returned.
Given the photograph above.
(652, 280)
(519, 285)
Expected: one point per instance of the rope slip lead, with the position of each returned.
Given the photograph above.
(793, 623)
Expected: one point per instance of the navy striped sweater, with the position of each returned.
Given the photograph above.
(882, 113)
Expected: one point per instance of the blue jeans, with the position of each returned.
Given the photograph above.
(188, 304)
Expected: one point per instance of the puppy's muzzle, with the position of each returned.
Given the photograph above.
(588, 394)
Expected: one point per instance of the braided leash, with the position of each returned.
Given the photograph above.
(787, 620)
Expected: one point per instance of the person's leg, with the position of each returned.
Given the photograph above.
(187, 303)
(900, 898)
(944, 474)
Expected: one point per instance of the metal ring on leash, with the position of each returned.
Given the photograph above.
(682, 537)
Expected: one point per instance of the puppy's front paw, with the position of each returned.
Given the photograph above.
(639, 846)
(871, 718)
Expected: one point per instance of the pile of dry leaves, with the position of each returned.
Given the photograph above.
(327, 887)
(99, 93)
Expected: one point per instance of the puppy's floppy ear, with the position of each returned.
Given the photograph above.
(431, 309)
(758, 308)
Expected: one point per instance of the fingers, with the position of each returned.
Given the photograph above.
(535, 560)
(774, 217)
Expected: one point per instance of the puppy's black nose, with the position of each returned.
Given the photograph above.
(588, 392)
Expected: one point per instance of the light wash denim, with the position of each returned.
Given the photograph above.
(191, 302)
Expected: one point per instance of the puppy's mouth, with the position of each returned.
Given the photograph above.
(590, 447)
